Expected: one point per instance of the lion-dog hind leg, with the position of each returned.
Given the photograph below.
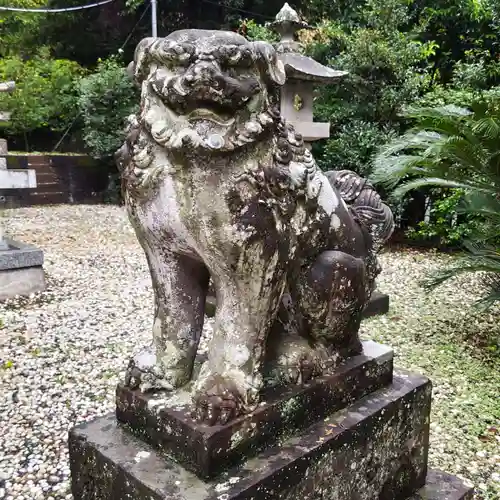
(180, 286)
(330, 296)
(291, 358)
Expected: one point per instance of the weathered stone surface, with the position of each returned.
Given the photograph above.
(5, 116)
(378, 304)
(167, 424)
(443, 486)
(17, 179)
(22, 281)
(7, 86)
(20, 255)
(218, 184)
(376, 448)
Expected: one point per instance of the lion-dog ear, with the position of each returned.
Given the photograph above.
(139, 68)
(269, 62)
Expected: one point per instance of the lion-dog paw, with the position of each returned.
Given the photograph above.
(144, 372)
(220, 398)
(296, 362)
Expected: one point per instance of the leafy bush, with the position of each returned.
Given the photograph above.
(353, 146)
(19, 30)
(45, 94)
(107, 97)
(445, 227)
(253, 31)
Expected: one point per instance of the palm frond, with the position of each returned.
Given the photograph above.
(485, 204)
(405, 188)
(447, 111)
(488, 127)
(393, 169)
(491, 283)
(462, 152)
(453, 148)
(420, 139)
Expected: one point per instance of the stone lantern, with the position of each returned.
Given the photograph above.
(303, 73)
(21, 271)
(297, 95)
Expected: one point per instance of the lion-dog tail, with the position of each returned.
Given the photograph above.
(365, 203)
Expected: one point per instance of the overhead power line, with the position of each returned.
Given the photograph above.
(66, 9)
(236, 9)
(135, 26)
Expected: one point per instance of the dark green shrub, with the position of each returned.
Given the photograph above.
(445, 227)
(107, 98)
(45, 96)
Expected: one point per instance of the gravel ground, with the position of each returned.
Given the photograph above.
(62, 351)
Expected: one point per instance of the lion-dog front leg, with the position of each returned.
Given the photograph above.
(180, 285)
(249, 283)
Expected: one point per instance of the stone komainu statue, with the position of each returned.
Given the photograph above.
(218, 185)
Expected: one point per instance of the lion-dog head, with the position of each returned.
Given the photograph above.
(206, 91)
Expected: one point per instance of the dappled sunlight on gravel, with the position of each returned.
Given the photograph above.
(62, 351)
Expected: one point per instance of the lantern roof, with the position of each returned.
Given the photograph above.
(297, 65)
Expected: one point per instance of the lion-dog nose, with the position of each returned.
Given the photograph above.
(209, 75)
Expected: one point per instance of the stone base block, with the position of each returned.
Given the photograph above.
(17, 255)
(375, 449)
(22, 281)
(17, 179)
(165, 421)
(21, 271)
(442, 486)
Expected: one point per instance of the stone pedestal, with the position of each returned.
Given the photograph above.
(21, 271)
(360, 433)
(167, 425)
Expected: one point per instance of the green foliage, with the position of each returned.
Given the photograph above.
(461, 29)
(383, 74)
(45, 94)
(17, 29)
(253, 31)
(445, 227)
(346, 12)
(107, 97)
(386, 70)
(454, 148)
(353, 146)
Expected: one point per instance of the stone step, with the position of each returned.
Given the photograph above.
(376, 448)
(166, 422)
(47, 198)
(49, 187)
